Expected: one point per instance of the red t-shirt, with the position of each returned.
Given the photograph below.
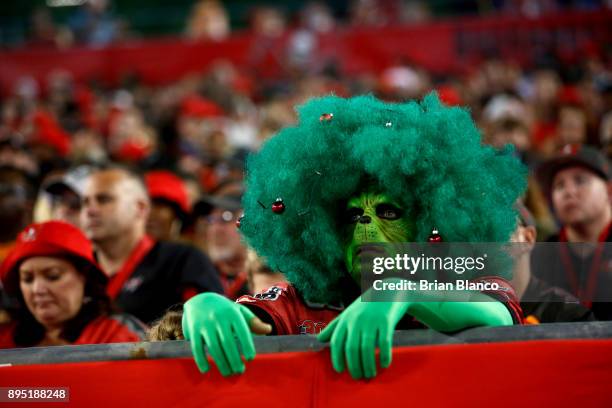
(292, 314)
(104, 329)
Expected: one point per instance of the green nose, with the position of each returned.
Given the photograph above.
(366, 231)
(365, 219)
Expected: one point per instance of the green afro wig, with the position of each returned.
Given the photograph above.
(425, 155)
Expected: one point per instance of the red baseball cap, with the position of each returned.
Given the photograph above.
(52, 238)
(197, 107)
(449, 96)
(165, 185)
(50, 133)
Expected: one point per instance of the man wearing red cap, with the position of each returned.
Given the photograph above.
(170, 205)
(146, 276)
(577, 184)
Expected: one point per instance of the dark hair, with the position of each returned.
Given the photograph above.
(29, 332)
(178, 211)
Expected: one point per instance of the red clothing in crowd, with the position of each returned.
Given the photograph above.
(291, 314)
(104, 329)
(160, 274)
(234, 286)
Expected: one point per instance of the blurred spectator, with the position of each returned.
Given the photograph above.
(88, 147)
(43, 30)
(304, 47)
(217, 219)
(60, 289)
(402, 82)
(25, 93)
(544, 97)
(572, 125)
(571, 118)
(61, 98)
(15, 155)
(505, 106)
(274, 116)
(15, 206)
(194, 123)
(94, 24)
(268, 22)
(368, 13)
(208, 21)
(241, 130)
(317, 17)
(541, 303)
(170, 206)
(130, 138)
(146, 276)
(66, 192)
(577, 181)
(44, 33)
(511, 131)
(500, 76)
(46, 138)
(415, 11)
(202, 141)
(228, 85)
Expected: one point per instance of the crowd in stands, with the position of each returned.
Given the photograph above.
(99, 23)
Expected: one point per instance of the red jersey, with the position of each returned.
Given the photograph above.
(104, 329)
(292, 314)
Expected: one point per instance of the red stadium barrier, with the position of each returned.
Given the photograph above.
(538, 373)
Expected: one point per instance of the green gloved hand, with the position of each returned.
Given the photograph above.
(221, 324)
(355, 333)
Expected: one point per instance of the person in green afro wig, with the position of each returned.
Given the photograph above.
(352, 172)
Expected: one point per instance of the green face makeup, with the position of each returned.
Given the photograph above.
(369, 218)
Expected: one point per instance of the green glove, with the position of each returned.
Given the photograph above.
(453, 316)
(222, 325)
(356, 332)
